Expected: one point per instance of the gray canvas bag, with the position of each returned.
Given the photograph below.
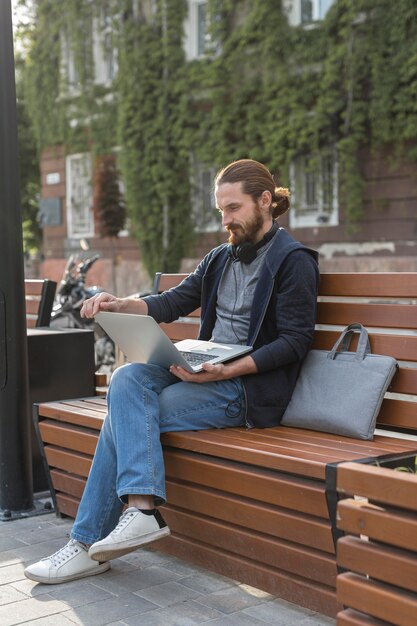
(341, 392)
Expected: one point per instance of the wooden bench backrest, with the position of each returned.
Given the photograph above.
(379, 549)
(39, 298)
(385, 303)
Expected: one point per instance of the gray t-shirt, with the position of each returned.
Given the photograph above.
(234, 299)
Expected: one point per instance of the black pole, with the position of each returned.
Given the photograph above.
(16, 492)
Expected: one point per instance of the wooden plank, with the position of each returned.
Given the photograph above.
(167, 281)
(401, 347)
(372, 284)
(405, 381)
(380, 315)
(311, 564)
(398, 414)
(384, 563)
(387, 525)
(60, 412)
(289, 587)
(379, 600)
(177, 331)
(65, 436)
(68, 483)
(32, 307)
(279, 523)
(259, 484)
(67, 505)
(33, 287)
(379, 484)
(75, 463)
(350, 617)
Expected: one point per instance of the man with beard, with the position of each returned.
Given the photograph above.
(259, 289)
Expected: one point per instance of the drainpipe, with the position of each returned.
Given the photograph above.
(16, 492)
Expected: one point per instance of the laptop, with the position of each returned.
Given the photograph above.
(143, 341)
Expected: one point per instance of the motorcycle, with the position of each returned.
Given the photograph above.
(66, 312)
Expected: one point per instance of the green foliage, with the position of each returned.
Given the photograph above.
(29, 175)
(264, 90)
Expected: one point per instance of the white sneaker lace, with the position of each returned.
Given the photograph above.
(61, 556)
(124, 519)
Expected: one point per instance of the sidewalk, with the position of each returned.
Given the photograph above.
(144, 588)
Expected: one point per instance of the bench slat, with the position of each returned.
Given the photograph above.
(384, 563)
(280, 523)
(350, 617)
(401, 347)
(75, 463)
(378, 484)
(241, 541)
(65, 436)
(377, 599)
(377, 315)
(284, 491)
(68, 483)
(374, 284)
(381, 524)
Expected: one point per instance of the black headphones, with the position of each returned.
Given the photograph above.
(246, 252)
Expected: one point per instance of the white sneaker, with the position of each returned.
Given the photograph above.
(69, 563)
(134, 529)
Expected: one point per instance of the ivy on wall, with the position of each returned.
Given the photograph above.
(264, 90)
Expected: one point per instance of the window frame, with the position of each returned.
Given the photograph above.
(300, 215)
(69, 197)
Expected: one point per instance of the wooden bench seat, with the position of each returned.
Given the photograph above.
(39, 299)
(260, 505)
(379, 550)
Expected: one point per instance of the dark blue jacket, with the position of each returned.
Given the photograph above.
(281, 324)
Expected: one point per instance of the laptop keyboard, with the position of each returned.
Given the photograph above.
(197, 358)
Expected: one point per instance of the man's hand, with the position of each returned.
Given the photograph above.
(210, 373)
(219, 371)
(106, 302)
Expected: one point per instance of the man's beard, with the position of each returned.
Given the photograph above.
(246, 232)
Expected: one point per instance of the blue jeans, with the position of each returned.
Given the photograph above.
(143, 402)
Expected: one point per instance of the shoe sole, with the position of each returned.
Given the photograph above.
(105, 553)
(103, 567)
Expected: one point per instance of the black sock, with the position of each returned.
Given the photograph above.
(148, 511)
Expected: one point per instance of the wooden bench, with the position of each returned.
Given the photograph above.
(260, 505)
(39, 299)
(379, 550)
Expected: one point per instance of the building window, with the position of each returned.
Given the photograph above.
(197, 36)
(80, 219)
(104, 50)
(314, 185)
(69, 68)
(306, 11)
(205, 216)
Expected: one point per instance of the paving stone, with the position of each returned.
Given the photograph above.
(187, 613)
(236, 619)
(78, 593)
(11, 573)
(10, 543)
(8, 595)
(30, 610)
(168, 594)
(145, 558)
(231, 600)
(279, 613)
(207, 583)
(32, 553)
(43, 534)
(51, 620)
(110, 609)
(135, 581)
(30, 588)
(318, 620)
